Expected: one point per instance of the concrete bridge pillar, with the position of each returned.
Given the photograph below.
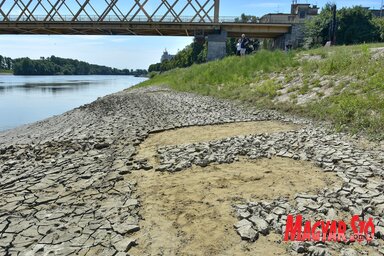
(217, 46)
(293, 39)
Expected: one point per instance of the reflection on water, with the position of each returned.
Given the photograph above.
(25, 99)
(51, 87)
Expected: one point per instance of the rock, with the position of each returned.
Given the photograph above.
(278, 211)
(131, 202)
(244, 214)
(298, 247)
(124, 229)
(379, 232)
(248, 233)
(163, 167)
(125, 244)
(100, 146)
(348, 252)
(261, 225)
(331, 215)
(124, 172)
(318, 251)
(270, 217)
(242, 223)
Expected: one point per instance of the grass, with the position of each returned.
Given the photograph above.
(5, 71)
(357, 107)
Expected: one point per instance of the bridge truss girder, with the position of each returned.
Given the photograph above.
(145, 29)
(199, 11)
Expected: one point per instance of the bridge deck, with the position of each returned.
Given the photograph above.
(259, 30)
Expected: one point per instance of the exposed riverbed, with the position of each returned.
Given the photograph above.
(85, 183)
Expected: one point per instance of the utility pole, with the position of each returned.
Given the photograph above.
(333, 25)
(381, 8)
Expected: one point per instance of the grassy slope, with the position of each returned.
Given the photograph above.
(355, 105)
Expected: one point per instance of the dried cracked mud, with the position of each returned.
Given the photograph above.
(157, 172)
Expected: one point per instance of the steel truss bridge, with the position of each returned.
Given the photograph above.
(126, 17)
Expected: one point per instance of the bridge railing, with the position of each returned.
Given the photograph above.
(137, 18)
(109, 18)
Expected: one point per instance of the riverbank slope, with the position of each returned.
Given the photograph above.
(342, 85)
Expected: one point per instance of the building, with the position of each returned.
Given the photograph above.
(377, 13)
(166, 56)
(299, 13)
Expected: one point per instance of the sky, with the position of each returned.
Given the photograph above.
(135, 52)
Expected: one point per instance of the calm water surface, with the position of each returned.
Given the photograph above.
(26, 99)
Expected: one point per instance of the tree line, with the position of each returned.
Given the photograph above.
(353, 26)
(196, 52)
(60, 66)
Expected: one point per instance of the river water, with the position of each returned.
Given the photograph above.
(26, 99)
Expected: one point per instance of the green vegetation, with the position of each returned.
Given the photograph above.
(244, 18)
(193, 53)
(196, 52)
(6, 71)
(355, 25)
(231, 71)
(356, 106)
(6, 64)
(379, 24)
(60, 66)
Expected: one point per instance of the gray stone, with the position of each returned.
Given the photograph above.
(100, 146)
(379, 232)
(278, 211)
(331, 215)
(124, 229)
(348, 252)
(270, 217)
(131, 202)
(125, 244)
(248, 233)
(260, 225)
(318, 251)
(298, 247)
(244, 214)
(242, 223)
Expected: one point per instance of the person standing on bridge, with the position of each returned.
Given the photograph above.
(243, 44)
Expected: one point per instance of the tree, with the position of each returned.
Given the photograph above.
(247, 19)
(355, 26)
(60, 66)
(379, 24)
(317, 28)
(196, 52)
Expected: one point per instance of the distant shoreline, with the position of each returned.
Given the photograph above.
(11, 74)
